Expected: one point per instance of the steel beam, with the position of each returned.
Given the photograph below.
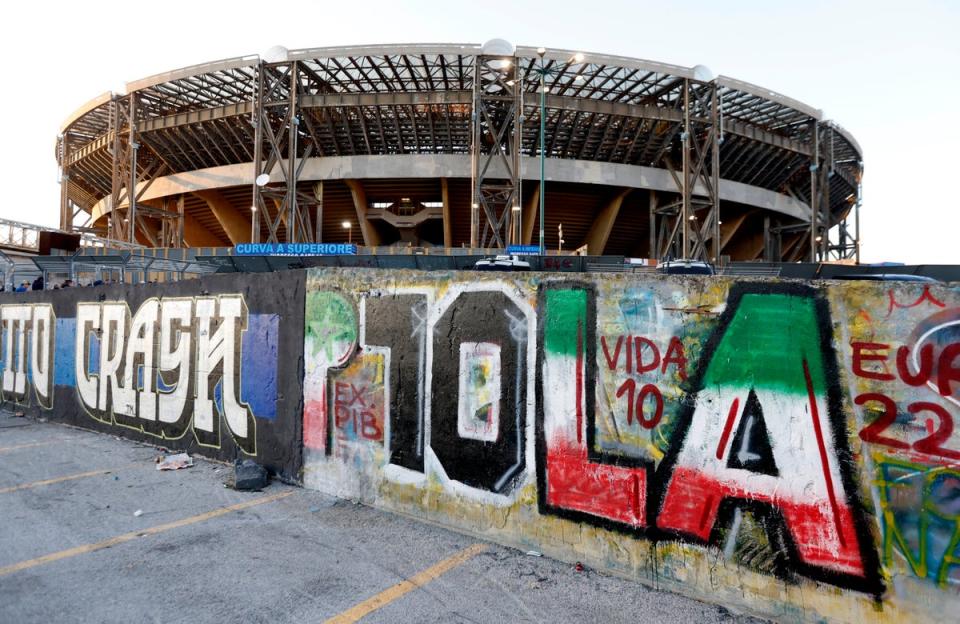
(277, 118)
(698, 181)
(496, 139)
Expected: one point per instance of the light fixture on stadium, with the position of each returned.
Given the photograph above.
(275, 54)
(702, 73)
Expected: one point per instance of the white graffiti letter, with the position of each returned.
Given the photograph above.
(41, 352)
(233, 312)
(213, 349)
(115, 320)
(207, 358)
(88, 320)
(142, 338)
(175, 310)
(15, 318)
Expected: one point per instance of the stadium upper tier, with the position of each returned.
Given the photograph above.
(383, 137)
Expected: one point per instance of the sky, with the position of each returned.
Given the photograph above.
(889, 72)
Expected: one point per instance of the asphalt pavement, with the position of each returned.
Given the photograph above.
(93, 532)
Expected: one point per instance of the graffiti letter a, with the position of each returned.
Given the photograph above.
(764, 431)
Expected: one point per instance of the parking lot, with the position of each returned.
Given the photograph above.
(93, 532)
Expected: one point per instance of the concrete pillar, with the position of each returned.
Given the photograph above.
(235, 224)
(371, 238)
(603, 223)
(447, 222)
(531, 216)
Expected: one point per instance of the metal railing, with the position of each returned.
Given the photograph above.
(19, 235)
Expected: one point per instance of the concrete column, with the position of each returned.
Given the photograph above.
(370, 236)
(729, 228)
(603, 224)
(531, 216)
(447, 222)
(196, 235)
(652, 251)
(236, 225)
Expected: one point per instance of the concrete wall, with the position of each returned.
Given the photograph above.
(199, 365)
(779, 448)
(776, 447)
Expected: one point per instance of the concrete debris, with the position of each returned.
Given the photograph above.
(249, 475)
(174, 462)
(534, 553)
(138, 513)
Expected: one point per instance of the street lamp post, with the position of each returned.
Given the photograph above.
(543, 125)
(576, 58)
(349, 228)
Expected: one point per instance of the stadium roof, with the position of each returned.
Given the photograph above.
(416, 99)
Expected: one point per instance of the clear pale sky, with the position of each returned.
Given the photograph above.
(887, 71)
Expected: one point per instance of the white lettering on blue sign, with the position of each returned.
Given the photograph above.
(295, 249)
(523, 250)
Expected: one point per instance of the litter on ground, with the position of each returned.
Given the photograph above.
(174, 462)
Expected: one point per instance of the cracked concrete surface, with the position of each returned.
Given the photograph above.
(305, 557)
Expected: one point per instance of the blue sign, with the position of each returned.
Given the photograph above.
(523, 250)
(294, 249)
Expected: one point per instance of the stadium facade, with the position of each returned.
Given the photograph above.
(441, 145)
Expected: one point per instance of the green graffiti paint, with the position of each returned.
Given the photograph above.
(565, 308)
(765, 344)
(919, 517)
(330, 322)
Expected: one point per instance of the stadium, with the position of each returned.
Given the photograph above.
(456, 146)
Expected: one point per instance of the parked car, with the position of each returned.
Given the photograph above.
(885, 277)
(685, 267)
(502, 263)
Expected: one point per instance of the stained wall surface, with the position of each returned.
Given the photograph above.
(211, 366)
(781, 448)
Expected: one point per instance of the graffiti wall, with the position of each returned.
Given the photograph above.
(782, 448)
(193, 365)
